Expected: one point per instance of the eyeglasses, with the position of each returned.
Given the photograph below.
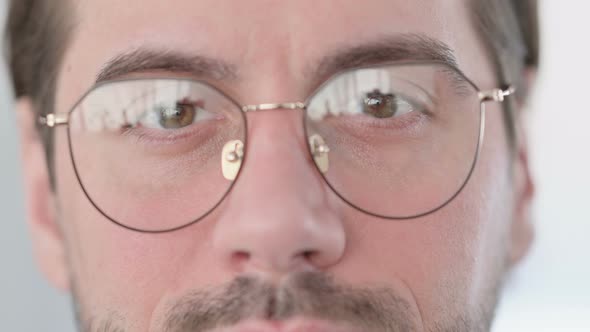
(395, 141)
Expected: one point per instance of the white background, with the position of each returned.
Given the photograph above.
(549, 292)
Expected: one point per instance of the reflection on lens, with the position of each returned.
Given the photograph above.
(402, 139)
(147, 152)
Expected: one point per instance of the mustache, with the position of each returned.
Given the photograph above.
(308, 294)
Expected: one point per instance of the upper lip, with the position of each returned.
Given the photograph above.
(294, 325)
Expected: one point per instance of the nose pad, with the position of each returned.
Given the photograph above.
(320, 152)
(232, 156)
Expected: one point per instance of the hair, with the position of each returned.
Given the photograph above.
(38, 32)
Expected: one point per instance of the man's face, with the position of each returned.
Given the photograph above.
(282, 250)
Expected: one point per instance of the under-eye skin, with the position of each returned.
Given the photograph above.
(187, 121)
(390, 126)
(390, 111)
(384, 118)
(146, 135)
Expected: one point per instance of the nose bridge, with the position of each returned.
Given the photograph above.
(277, 217)
(277, 150)
(273, 106)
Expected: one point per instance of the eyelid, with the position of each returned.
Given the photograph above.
(389, 82)
(420, 99)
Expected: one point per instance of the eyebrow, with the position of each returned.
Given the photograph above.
(404, 47)
(145, 60)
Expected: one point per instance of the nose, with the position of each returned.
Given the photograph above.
(278, 218)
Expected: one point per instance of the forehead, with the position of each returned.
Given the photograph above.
(265, 39)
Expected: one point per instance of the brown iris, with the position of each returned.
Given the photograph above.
(181, 115)
(380, 105)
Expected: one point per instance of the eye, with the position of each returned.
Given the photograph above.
(175, 114)
(381, 105)
(180, 115)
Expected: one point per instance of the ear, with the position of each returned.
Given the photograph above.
(48, 243)
(522, 231)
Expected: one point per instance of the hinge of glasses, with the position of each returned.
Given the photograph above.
(53, 120)
(497, 95)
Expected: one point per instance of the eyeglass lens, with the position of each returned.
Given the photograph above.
(157, 154)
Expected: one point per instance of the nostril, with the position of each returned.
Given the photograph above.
(240, 257)
(309, 255)
(308, 258)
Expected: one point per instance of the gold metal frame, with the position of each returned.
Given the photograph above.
(53, 120)
(495, 95)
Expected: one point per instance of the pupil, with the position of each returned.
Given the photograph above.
(380, 105)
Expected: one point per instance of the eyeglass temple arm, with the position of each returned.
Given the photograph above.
(53, 119)
(496, 95)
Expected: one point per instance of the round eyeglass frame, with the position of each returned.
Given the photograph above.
(54, 120)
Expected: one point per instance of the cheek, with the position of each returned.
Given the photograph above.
(448, 253)
(455, 253)
(114, 268)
